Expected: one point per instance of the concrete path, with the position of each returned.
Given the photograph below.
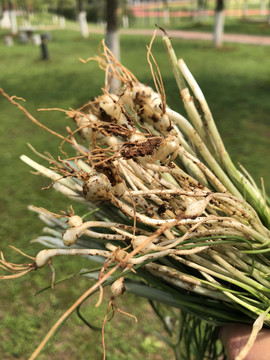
(194, 35)
(197, 35)
(181, 34)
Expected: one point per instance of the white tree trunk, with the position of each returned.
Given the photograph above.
(5, 21)
(229, 6)
(112, 42)
(245, 8)
(125, 21)
(112, 38)
(166, 16)
(218, 29)
(263, 8)
(13, 22)
(83, 24)
(62, 22)
(205, 15)
(200, 11)
(55, 19)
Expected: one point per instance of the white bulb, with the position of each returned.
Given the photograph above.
(97, 188)
(118, 288)
(71, 235)
(75, 221)
(196, 208)
(139, 240)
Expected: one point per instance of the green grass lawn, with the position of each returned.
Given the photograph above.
(231, 26)
(249, 26)
(236, 83)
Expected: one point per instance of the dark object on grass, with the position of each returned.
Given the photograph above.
(44, 47)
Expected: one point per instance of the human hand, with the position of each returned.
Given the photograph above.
(235, 336)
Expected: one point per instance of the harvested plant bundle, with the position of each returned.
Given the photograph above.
(173, 209)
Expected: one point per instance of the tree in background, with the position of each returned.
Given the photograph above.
(60, 5)
(245, 8)
(112, 36)
(13, 18)
(201, 10)
(219, 23)
(82, 18)
(166, 12)
(268, 13)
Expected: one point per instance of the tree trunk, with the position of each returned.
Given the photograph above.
(13, 22)
(59, 8)
(219, 24)
(5, 21)
(26, 14)
(82, 19)
(200, 10)
(205, 16)
(166, 12)
(112, 36)
(269, 13)
(245, 8)
(3, 5)
(263, 8)
(62, 20)
(125, 19)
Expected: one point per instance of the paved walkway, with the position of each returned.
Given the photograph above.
(197, 35)
(182, 34)
(146, 12)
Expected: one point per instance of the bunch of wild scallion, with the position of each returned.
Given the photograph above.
(172, 207)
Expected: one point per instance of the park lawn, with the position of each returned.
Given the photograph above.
(248, 26)
(236, 83)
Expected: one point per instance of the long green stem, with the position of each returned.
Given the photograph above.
(242, 183)
(195, 138)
